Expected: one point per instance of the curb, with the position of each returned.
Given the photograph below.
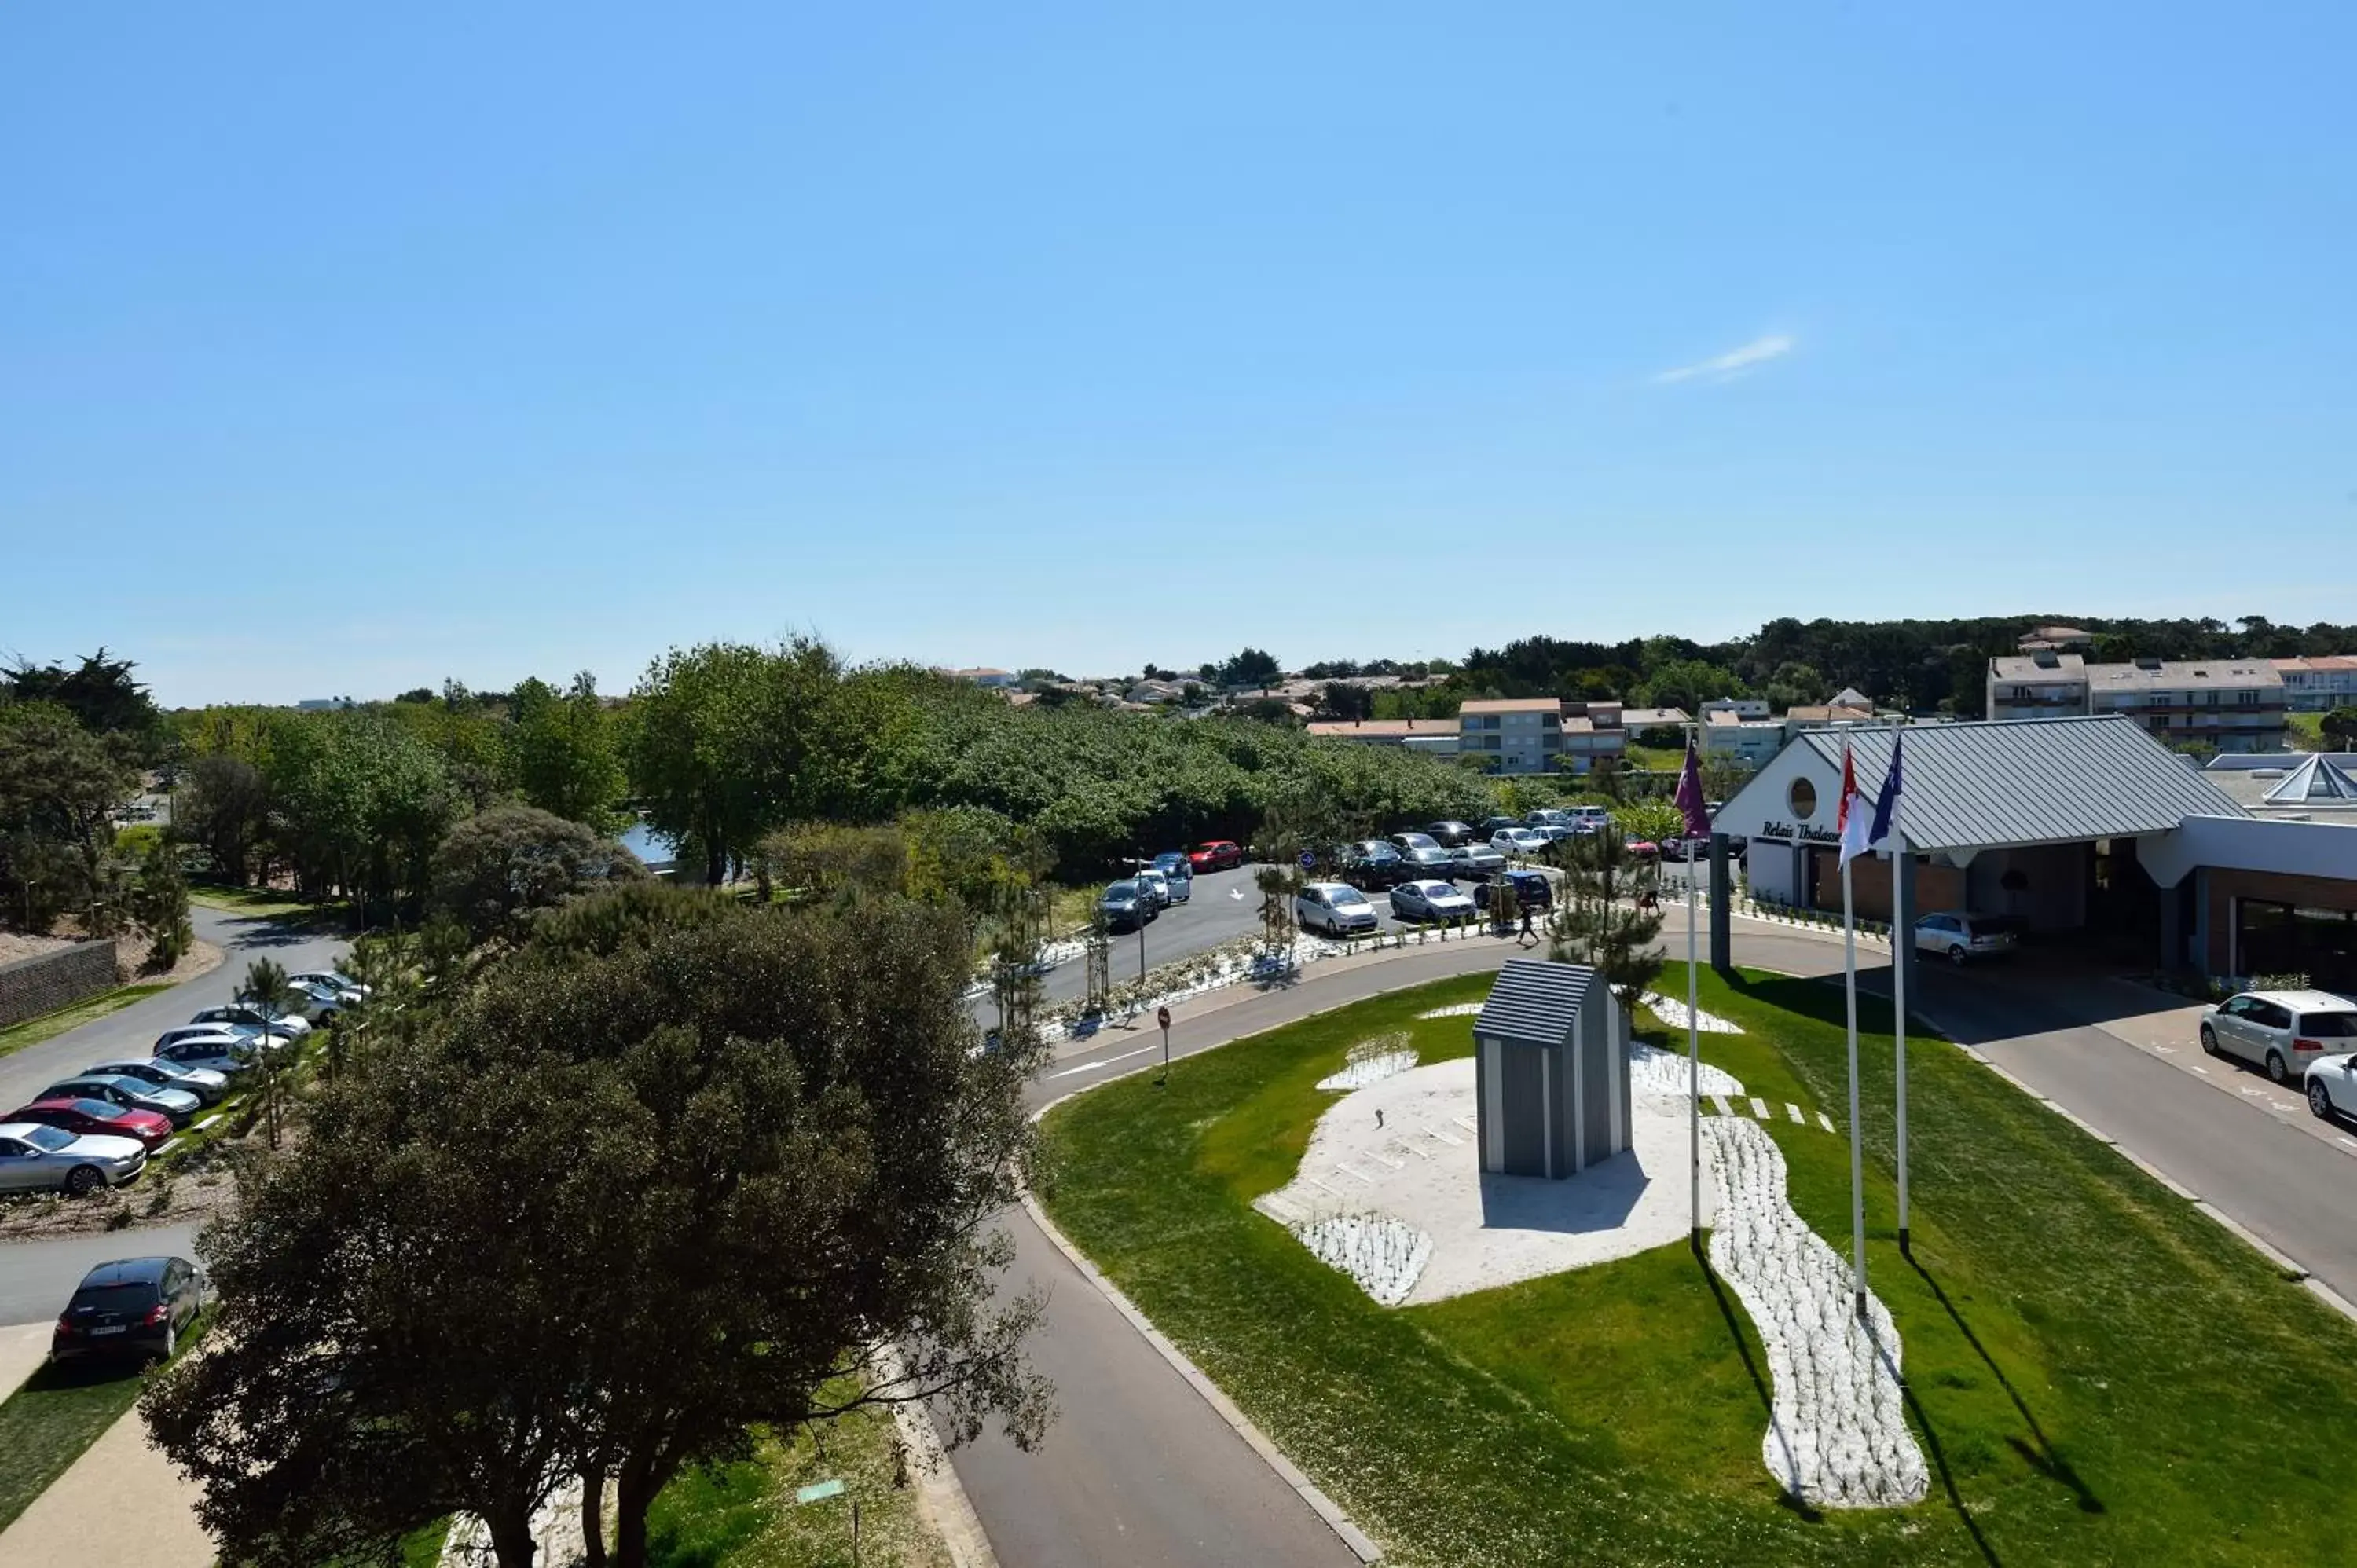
(941, 1501)
(1365, 1550)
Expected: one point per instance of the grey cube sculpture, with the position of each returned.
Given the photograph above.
(1551, 1071)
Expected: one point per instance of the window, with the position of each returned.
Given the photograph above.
(1803, 799)
(2246, 699)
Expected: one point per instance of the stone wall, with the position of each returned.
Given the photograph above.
(32, 986)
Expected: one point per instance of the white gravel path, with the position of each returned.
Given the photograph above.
(1457, 1010)
(1365, 1070)
(1837, 1431)
(1672, 1013)
(1652, 1070)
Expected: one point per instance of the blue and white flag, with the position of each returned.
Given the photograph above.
(1885, 805)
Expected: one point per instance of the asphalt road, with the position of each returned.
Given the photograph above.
(36, 1277)
(1130, 1433)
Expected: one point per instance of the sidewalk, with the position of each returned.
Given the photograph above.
(121, 1503)
(23, 1348)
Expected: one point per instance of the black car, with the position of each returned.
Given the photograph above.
(132, 1308)
(1420, 864)
(1495, 824)
(1450, 833)
(1128, 906)
(1372, 862)
(1531, 887)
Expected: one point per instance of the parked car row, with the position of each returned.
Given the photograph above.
(2303, 1036)
(97, 1128)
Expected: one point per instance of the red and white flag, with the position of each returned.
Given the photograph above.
(1855, 822)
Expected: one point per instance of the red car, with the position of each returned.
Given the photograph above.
(1217, 855)
(97, 1116)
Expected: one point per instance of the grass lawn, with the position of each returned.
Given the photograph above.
(47, 1425)
(267, 901)
(33, 1031)
(2097, 1373)
(744, 1515)
(2305, 732)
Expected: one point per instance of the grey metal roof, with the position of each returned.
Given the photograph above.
(1534, 1002)
(1991, 783)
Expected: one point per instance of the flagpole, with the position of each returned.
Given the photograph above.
(1856, 1153)
(1694, 1039)
(1899, 960)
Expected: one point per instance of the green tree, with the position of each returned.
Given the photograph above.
(2340, 727)
(222, 805)
(1598, 925)
(1688, 683)
(160, 904)
(61, 787)
(729, 741)
(814, 1152)
(101, 695)
(1252, 666)
(264, 989)
(497, 868)
(567, 757)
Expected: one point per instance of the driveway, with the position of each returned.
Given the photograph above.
(133, 1030)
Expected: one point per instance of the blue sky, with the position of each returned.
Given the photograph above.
(343, 352)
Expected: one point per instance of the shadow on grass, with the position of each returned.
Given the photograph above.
(85, 1372)
(1814, 999)
(1759, 1379)
(1947, 1479)
(2041, 1458)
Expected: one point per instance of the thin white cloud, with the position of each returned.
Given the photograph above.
(1735, 362)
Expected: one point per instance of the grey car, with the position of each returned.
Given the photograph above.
(208, 1087)
(36, 1157)
(1128, 906)
(1428, 861)
(227, 1055)
(130, 1093)
(1475, 860)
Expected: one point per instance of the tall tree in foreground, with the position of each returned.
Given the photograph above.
(265, 991)
(438, 1304)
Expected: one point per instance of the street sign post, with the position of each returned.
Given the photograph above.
(1162, 1017)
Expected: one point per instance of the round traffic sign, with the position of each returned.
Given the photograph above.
(1162, 1017)
(1309, 861)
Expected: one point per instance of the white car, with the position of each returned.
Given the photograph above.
(1154, 882)
(1960, 938)
(1430, 901)
(1519, 842)
(205, 1085)
(244, 1015)
(2283, 1032)
(1591, 819)
(334, 979)
(2331, 1083)
(1335, 908)
(230, 1055)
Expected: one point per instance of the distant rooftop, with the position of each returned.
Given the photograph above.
(1512, 705)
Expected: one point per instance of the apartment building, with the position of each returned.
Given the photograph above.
(1729, 737)
(2233, 704)
(1541, 735)
(2320, 684)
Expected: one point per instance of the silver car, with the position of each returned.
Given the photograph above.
(206, 1086)
(228, 1055)
(245, 1015)
(2283, 1032)
(1155, 883)
(346, 988)
(130, 1094)
(36, 1157)
(1430, 901)
(1476, 860)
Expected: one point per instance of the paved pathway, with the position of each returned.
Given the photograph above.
(23, 1348)
(121, 1504)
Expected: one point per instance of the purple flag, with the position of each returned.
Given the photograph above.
(1689, 797)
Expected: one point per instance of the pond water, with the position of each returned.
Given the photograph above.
(646, 845)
